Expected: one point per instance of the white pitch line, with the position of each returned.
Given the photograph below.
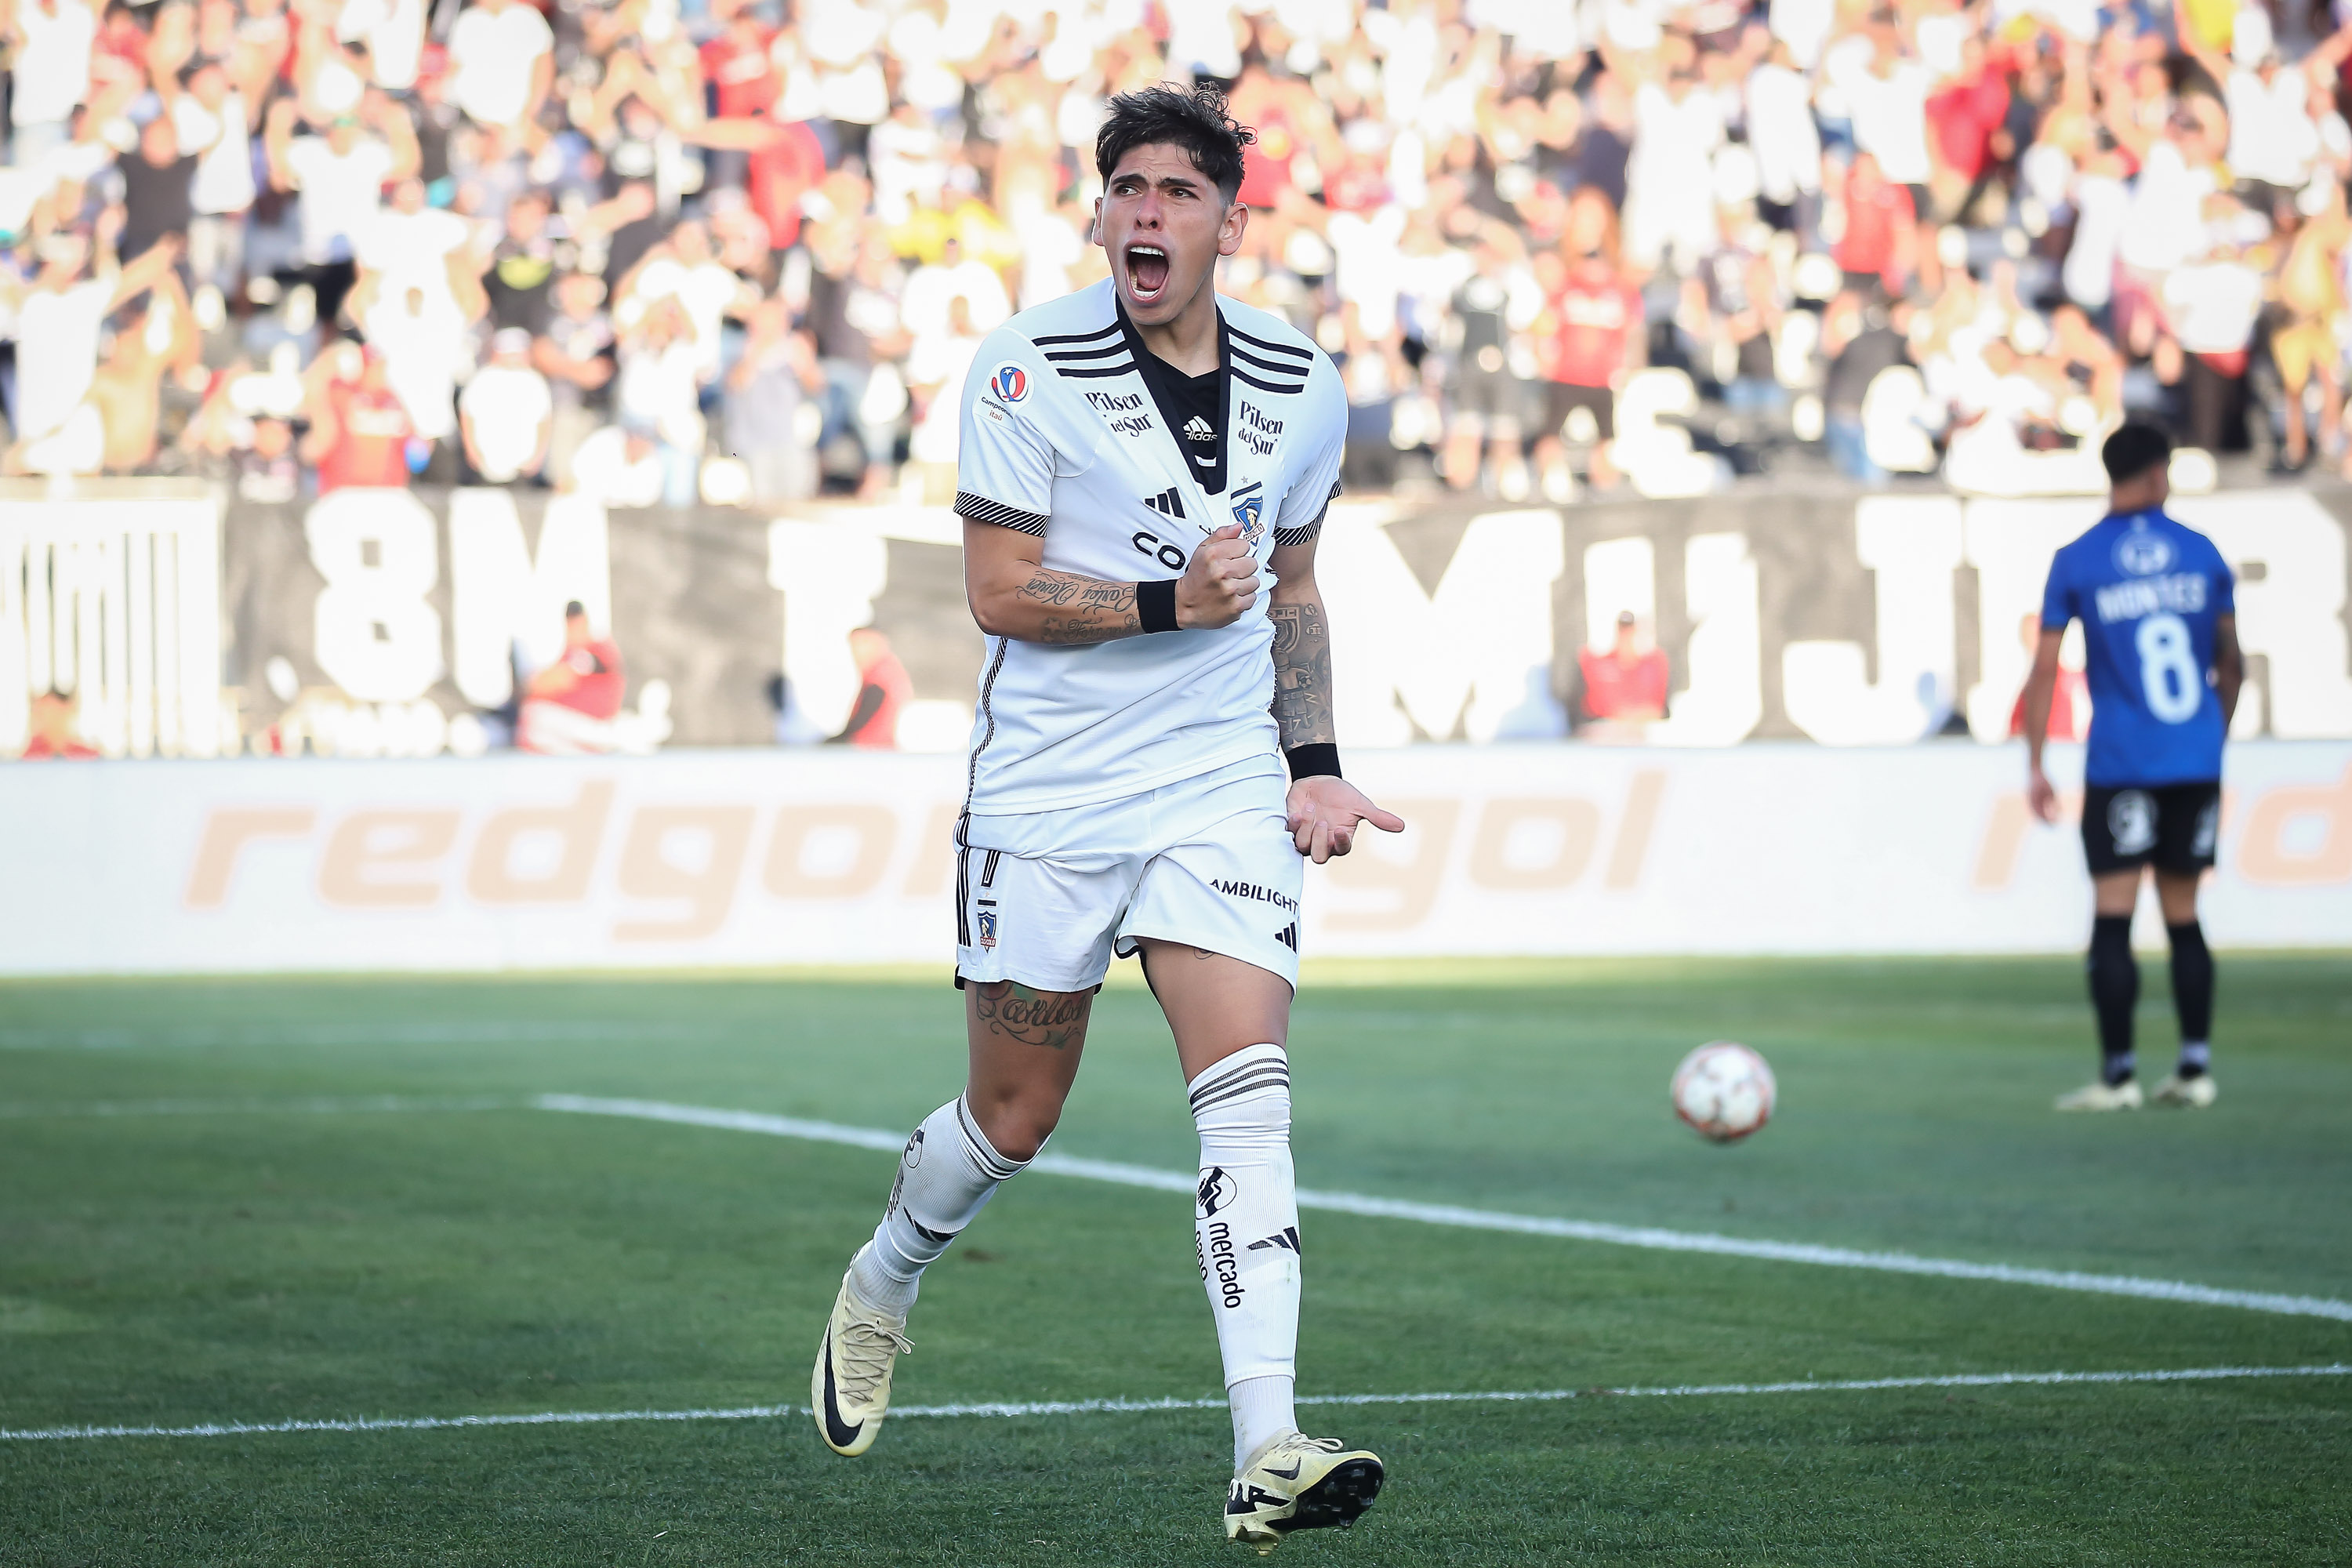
(1653, 1238)
(1005, 1410)
(316, 1105)
(1649, 1236)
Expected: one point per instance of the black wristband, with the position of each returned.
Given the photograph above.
(1155, 605)
(1317, 758)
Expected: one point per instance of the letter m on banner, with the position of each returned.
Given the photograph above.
(502, 600)
(1476, 653)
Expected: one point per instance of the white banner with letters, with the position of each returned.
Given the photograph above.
(741, 858)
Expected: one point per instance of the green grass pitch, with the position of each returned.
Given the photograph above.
(240, 1256)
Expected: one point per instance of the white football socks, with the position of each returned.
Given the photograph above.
(1245, 1228)
(948, 1173)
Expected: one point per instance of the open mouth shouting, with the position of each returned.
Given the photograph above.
(1147, 272)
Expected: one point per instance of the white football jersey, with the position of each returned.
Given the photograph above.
(1060, 438)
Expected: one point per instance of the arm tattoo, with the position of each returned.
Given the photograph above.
(1092, 610)
(1054, 1019)
(1302, 674)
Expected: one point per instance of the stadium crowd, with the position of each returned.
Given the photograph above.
(746, 249)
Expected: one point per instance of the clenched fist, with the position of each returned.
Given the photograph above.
(1221, 583)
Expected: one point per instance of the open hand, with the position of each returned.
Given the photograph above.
(1221, 583)
(1325, 812)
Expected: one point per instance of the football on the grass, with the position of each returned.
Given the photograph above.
(1725, 1090)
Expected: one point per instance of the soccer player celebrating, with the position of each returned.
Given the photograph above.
(2160, 632)
(1143, 472)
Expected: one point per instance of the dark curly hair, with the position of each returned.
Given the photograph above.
(1194, 121)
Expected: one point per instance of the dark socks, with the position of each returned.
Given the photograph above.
(2114, 992)
(2192, 994)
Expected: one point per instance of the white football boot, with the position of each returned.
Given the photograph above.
(849, 1393)
(2123, 1096)
(2188, 1093)
(1297, 1482)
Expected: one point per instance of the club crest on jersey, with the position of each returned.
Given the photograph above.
(2142, 553)
(987, 923)
(1010, 382)
(1249, 510)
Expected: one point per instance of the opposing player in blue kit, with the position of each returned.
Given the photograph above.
(2160, 640)
(1143, 474)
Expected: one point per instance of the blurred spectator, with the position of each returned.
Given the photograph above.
(2070, 699)
(772, 385)
(1877, 252)
(127, 387)
(1625, 685)
(506, 414)
(645, 186)
(504, 58)
(48, 75)
(883, 691)
(569, 707)
(360, 431)
(339, 176)
(53, 728)
(58, 318)
(1595, 338)
(576, 354)
(1864, 341)
(659, 392)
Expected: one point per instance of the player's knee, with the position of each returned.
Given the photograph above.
(1016, 1120)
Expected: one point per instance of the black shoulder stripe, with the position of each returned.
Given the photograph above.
(1244, 376)
(1125, 368)
(980, 509)
(1300, 535)
(1278, 366)
(1110, 330)
(1292, 350)
(1088, 353)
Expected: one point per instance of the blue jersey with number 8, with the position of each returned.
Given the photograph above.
(2147, 591)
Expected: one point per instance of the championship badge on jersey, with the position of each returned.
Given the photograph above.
(1010, 384)
(1249, 510)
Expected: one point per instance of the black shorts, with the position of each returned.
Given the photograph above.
(1561, 399)
(2170, 827)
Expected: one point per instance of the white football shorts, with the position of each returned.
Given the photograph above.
(1046, 898)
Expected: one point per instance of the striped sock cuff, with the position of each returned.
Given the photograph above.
(991, 1165)
(1247, 1071)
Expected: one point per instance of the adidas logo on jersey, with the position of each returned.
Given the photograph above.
(1197, 429)
(1168, 503)
(1288, 936)
(1285, 1240)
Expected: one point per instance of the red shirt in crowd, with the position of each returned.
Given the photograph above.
(1266, 167)
(1876, 219)
(1613, 688)
(1596, 311)
(885, 677)
(372, 439)
(737, 66)
(2069, 691)
(70, 749)
(1963, 119)
(780, 174)
(597, 693)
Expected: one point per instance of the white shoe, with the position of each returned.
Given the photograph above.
(1297, 1482)
(849, 1393)
(2188, 1093)
(2123, 1096)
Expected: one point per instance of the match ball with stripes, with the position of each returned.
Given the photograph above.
(1724, 1091)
